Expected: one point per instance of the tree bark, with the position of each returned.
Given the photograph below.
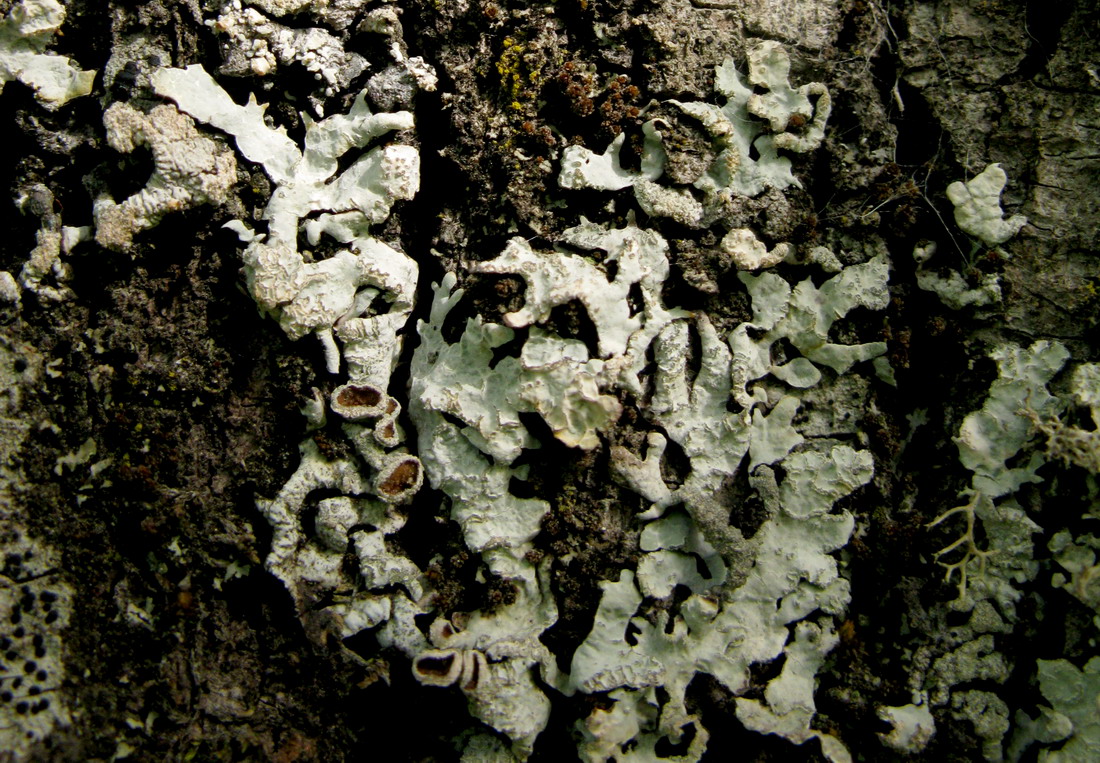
(148, 404)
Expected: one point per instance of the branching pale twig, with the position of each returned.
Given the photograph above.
(966, 542)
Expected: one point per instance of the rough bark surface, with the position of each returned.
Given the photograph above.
(181, 646)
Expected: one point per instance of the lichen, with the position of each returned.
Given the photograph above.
(657, 440)
(25, 33)
(499, 655)
(581, 168)
(978, 207)
(749, 253)
(35, 607)
(36, 600)
(189, 170)
(45, 263)
(552, 377)
(793, 575)
(1071, 718)
(804, 316)
(1078, 558)
(334, 295)
(479, 491)
(748, 161)
(994, 557)
(1072, 444)
(555, 278)
(913, 727)
(465, 407)
(991, 436)
(748, 131)
(256, 45)
(305, 558)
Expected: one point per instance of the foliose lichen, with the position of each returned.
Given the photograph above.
(998, 444)
(257, 44)
(978, 207)
(25, 33)
(335, 299)
(692, 406)
(1070, 720)
(723, 635)
(748, 131)
(330, 297)
(189, 169)
(466, 406)
(45, 273)
(989, 441)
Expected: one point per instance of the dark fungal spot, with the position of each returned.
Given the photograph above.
(471, 683)
(435, 666)
(402, 478)
(355, 397)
